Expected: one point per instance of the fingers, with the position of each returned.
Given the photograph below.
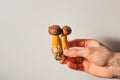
(76, 60)
(77, 52)
(75, 66)
(83, 43)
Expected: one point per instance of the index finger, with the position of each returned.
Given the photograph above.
(83, 43)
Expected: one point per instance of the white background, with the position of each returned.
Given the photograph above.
(25, 52)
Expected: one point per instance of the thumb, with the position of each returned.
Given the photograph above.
(81, 52)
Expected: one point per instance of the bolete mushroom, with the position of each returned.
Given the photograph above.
(57, 51)
(66, 30)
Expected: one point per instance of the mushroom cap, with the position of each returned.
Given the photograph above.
(54, 30)
(66, 30)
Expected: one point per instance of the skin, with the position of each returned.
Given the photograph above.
(91, 56)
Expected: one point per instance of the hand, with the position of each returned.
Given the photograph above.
(89, 56)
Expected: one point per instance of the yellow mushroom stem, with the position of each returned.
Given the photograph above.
(64, 41)
(57, 48)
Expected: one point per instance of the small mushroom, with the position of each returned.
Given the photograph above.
(66, 30)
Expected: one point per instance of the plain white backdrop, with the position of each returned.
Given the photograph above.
(25, 52)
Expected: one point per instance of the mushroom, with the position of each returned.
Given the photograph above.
(66, 30)
(57, 51)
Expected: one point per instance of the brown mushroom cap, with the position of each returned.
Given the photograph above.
(66, 30)
(54, 30)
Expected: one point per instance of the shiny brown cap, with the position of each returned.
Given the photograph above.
(66, 30)
(54, 30)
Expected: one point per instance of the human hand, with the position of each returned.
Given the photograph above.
(89, 56)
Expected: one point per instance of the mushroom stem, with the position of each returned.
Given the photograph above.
(57, 48)
(64, 41)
